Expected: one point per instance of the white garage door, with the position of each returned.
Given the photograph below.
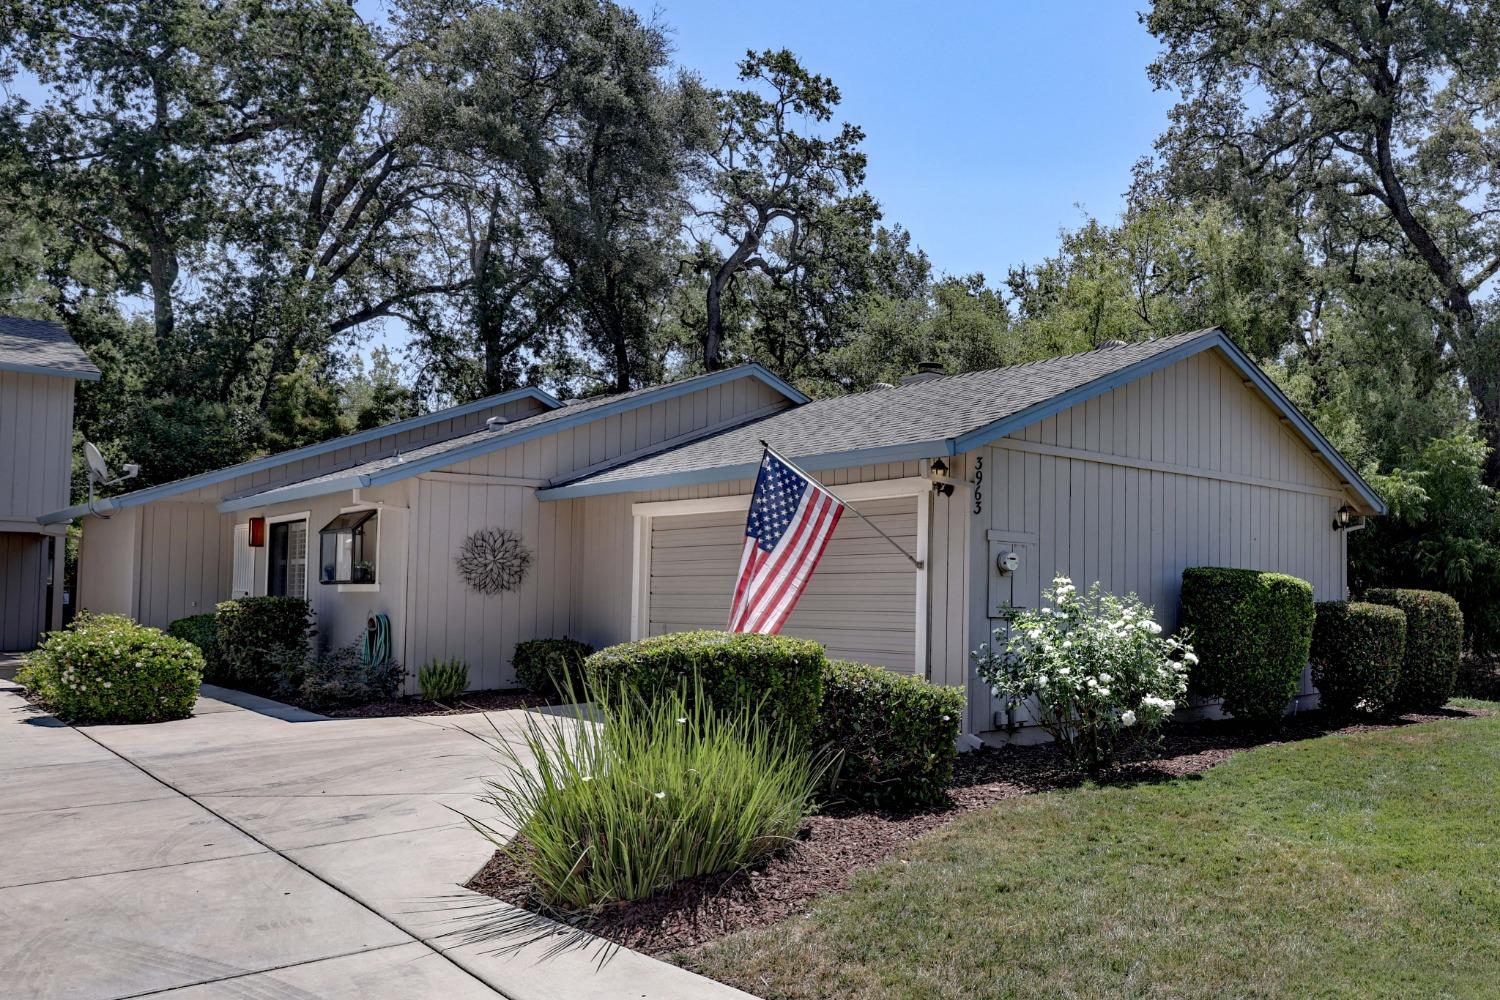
(860, 603)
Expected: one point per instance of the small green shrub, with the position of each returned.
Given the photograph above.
(777, 674)
(1356, 655)
(342, 677)
(1434, 644)
(106, 668)
(549, 666)
(1252, 632)
(656, 793)
(261, 644)
(894, 735)
(201, 631)
(443, 680)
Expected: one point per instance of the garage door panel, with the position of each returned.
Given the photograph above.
(859, 603)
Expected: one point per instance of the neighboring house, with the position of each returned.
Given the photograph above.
(1123, 464)
(39, 367)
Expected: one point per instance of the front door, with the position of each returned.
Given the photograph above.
(286, 563)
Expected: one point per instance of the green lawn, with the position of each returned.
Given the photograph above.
(1350, 866)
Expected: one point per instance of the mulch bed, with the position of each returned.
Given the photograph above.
(836, 844)
(470, 701)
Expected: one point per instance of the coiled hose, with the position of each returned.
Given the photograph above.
(376, 649)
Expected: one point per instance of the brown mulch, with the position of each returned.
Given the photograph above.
(840, 842)
(470, 701)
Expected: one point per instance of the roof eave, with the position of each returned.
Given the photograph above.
(296, 491)
(85, 375)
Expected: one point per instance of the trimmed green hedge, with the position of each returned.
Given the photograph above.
(1434, 643)
(106, 668)
(262, 644)
(200, 630)
(1357, 650)
(1252, 632)
(541, 663)
(895, 734)
(777, 674)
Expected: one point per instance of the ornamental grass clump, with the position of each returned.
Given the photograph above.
(1102, 675)
(655, 792)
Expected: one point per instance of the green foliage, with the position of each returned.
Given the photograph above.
(106, 668)
(443, 680)
(1096, 666)
(262, 644)
(200, 630)
(1252, 632)
(550, 667)
(1357, 650)
(657, 793)
(774, 674)
(342, 677)
(893, 736)
(1434, 643)
(1443, 533)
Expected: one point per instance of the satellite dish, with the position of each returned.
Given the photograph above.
(98, 471)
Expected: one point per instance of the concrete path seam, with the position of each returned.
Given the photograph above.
(128, 871)
(292, 861)
(262, 972)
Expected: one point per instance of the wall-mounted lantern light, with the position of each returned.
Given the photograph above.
(1343, 517)
(257, 532)
(939, 476)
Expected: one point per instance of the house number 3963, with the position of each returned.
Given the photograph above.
(978, 484)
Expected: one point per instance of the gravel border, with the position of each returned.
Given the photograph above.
(838, 843)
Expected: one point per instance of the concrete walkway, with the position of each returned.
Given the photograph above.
(259, 851)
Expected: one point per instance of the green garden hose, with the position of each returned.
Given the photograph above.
(376, 651)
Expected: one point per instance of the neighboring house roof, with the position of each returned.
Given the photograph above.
(40, 347)
(392, 468)
(938, 417)
(180, 486)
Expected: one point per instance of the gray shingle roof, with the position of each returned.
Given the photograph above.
(897, 420)
(42, 347)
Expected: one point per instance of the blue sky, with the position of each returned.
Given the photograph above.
(990, 125)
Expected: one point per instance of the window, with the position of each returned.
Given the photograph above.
(286, 574)
(347, 547)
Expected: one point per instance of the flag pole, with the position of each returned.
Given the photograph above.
(847, 506)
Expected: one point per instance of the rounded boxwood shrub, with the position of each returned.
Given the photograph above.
(261, 644)
(106, 668)
(548, 666)
(775, 674)
(894, 735)
(1434, 643)
(1357, 650)
(1252, 632)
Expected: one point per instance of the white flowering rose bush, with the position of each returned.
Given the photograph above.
(1101, 672)
(106, 668)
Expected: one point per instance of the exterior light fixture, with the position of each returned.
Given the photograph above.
(257, 532)
(1342, 517)
(939, 476)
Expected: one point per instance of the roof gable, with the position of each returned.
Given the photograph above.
(41, 347)
(941, 417)
(443, 454)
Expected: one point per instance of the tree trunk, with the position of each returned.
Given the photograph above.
(163, 277)
(712, 338)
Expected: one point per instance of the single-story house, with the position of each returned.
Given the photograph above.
(40, 366)
(1124, 464)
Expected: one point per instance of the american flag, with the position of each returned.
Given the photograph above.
(791, 519)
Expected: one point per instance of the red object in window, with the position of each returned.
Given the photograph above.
(257, 532)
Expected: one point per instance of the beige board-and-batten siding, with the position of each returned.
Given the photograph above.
(174, 557)
(1185, 467)
(23, 588)
(36, 440)
(498, 490)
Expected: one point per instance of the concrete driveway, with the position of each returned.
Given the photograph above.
(259, 851)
